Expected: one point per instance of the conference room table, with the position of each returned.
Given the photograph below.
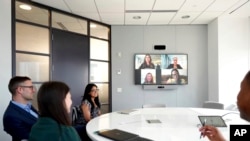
(177, 124)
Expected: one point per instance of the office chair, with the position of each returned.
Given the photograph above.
(213, 105)
(232, 107)
(153, 105)
(76, 111)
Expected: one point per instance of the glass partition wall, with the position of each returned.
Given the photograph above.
(32, 48)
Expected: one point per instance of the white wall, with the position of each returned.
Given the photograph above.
(213, 78)
(129, 40)
(5, 62)
(229, 54)
(234, 55)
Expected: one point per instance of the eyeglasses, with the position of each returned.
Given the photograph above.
(95, 90)
(31, 87)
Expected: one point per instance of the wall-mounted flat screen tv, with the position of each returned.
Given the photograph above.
(161, 69)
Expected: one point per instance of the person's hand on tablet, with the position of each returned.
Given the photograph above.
(212, 133)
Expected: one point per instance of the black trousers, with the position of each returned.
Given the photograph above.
(82, 132)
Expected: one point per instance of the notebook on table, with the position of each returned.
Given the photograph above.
(119, 135)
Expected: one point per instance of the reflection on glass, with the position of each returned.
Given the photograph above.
(34, 15)
(34, 66)
(99, 71)
(32, 38)
(34, 101)
(103, 93)
(99, 49)
(104, 97)
(99, 31)
(69, 23)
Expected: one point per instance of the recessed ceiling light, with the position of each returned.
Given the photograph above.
(92, 26)
(185, 17)
(25, 7)
(137, 17)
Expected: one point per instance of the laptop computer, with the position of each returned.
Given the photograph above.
(120, 135)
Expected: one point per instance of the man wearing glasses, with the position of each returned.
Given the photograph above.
(20, 115)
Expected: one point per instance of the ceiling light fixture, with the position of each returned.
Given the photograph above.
(25, 7)
(185, 17)
(136, 17)
(92, 26)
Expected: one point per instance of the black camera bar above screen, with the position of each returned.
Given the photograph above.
(161, 69)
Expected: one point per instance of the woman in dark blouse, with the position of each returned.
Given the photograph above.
(147, 63)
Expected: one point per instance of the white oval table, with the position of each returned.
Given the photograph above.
(177, 124)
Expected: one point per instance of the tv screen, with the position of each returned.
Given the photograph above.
(161, 69)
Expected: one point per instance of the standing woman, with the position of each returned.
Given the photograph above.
(54, 104)
(90, 103)
(147, 63)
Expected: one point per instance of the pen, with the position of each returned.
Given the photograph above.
(203, 124)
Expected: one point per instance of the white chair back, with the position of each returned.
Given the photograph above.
(153, 105)
(213, 105)
(232, 107)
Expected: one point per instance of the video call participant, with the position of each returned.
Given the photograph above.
(149, 79)
(243, 100)
(147, 63)
(175, 77)
(54, 123)
(20, 115)
(175, 64)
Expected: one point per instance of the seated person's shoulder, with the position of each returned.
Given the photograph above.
(85, 104)
(11, 112)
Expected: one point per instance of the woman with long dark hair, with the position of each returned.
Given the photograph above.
(147, 63)
(90, 103)
(175, 77)
(54, 104)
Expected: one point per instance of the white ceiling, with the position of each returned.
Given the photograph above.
(152, 12)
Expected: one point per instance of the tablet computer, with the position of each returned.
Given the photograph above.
(216, 121)
(126, 111)
(120, 135)
(153, 121)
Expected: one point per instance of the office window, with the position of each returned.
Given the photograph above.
(99, 31)
(104, 96)
(33, 44)
(99, 71)
(34, 102)
(32, 38)
(69, 23)
(99, 49)
(34, 66)
(100, 62)
(34, 14)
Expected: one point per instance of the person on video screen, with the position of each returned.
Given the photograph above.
(175, 64)
(175, 77)
(147, 63)
(149, 79)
